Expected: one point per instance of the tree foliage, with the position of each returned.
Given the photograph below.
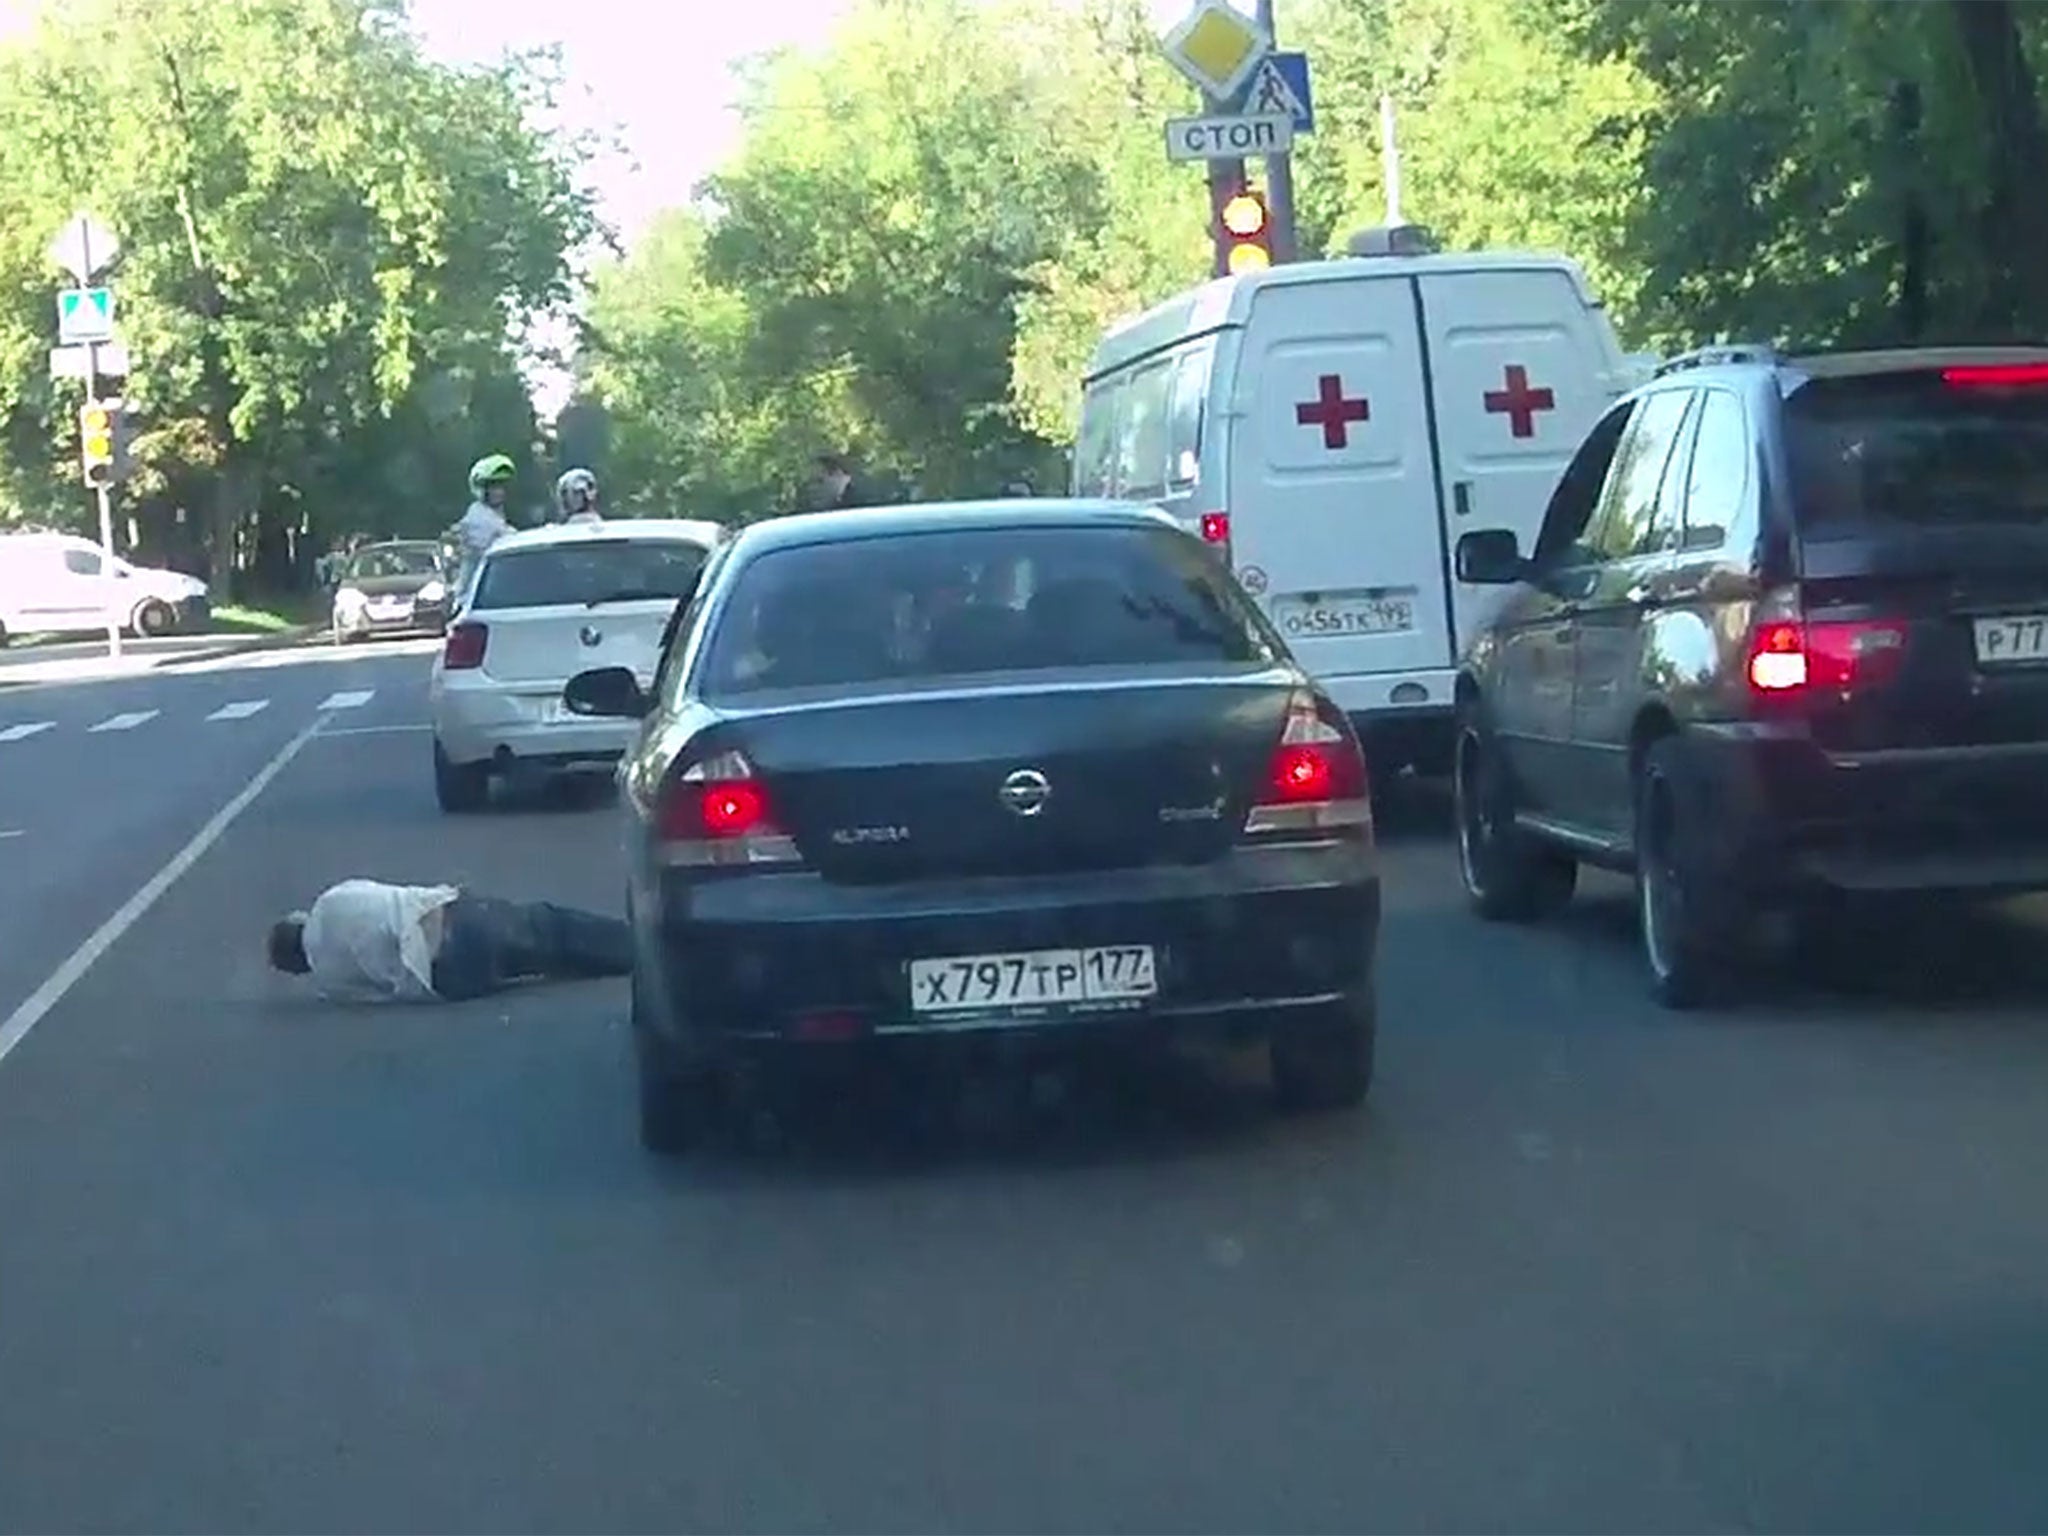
(330, 248)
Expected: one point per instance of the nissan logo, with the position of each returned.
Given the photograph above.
(591, 634)
(1025, 792)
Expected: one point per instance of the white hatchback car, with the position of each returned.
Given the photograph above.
(544, 605)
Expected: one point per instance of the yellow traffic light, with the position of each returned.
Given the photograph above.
(96, 449)
(1247, 234)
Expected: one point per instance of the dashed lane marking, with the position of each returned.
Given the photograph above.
(241, 709)
(25, 730)
(128, 721)
(349, 698)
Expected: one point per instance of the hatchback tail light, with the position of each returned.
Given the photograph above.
(717, 812)
(464, 649)
(1315, 780)
(1996, 375)
(1791, 658)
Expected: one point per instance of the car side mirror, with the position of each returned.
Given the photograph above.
(1490, 558)
(612, 692)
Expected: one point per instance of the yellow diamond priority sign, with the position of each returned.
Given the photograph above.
(1217, 46)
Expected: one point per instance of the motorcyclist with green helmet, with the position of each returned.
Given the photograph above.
(490, 481)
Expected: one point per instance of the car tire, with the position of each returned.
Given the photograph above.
(1682, 923)
(152, 618)
(460, 787)
(1508, 876)
(677, 1106)
(1327, 1063)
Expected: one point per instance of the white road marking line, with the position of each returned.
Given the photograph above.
(348, 698)
(66, 976)
(24, 731)
(126, 722)
(240, 710)
(374, 730)
(16, 833)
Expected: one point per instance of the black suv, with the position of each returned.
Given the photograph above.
(1783, 639)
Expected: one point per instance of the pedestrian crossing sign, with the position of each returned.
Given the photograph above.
(1280, 88)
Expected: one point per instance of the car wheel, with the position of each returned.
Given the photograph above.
(460, 787)
(152, 619)
(677, 1106)
(1684, 941)
(1508, 876)
(1327, 1063)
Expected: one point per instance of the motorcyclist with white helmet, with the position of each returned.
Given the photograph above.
(490, 481)
(576, 498)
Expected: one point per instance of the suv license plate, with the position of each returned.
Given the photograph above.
(1044, 978)
(2012, 639)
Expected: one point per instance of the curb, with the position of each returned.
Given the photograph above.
(277, 640)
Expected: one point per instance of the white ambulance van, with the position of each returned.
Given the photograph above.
(1335, 425)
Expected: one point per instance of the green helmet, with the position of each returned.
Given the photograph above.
(491, 469)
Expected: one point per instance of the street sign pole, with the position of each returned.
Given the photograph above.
(1226, 180)
(1279, 176)
(85, 248)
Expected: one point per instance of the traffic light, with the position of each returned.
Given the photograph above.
(1247, 238)
(99, 425)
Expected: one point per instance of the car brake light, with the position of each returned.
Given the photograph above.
(1789, 658)
(1316, 779)
(465, 646)
(717, 813)
(1215, 527)
(1995, 375)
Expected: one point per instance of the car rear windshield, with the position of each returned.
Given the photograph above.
(598, 571)
(975, 601)
(1915, 449)
(408, 560)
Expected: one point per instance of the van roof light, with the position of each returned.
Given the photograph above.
(1394, 240)
(1720, 355)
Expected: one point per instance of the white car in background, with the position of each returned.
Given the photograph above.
(546, 604)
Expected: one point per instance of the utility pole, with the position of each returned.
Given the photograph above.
(85, 317)
(1279, 173)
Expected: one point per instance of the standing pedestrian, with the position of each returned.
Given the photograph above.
(365, 941)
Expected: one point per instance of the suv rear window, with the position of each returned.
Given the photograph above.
(1010, 600)
(596, 571)
(1909, 449)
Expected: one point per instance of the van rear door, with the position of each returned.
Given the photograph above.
(1334, 521)
(1522, 364)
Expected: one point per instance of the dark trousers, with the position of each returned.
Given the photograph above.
(488, 944)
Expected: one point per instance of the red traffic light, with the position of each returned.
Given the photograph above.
(1245, 215)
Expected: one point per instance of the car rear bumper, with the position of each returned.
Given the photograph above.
(1959, 819)
(513, 729)
(1238, 945)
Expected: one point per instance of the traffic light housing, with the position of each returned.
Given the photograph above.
(1245, 238)
(99, 442)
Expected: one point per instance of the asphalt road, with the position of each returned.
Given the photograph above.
(266, 1265)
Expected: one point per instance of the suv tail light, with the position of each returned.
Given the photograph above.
(1995, 375)
(716, 812)
(464, 649)
(1790, 658)
(1315, 780)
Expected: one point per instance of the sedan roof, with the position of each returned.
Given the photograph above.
(855, 523)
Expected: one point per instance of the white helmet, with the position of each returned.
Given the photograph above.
(576, 494)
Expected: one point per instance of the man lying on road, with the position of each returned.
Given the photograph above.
(364, 941)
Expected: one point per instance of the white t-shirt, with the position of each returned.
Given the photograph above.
(370, 942)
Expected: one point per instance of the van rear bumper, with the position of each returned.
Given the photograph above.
(1403, 719)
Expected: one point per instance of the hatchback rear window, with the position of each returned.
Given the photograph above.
(1009, 600)
(598, 571)
(1914, 449)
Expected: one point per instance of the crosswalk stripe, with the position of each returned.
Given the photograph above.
(25, 730)
(240, 710)
(126, 722)
(348, 698)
